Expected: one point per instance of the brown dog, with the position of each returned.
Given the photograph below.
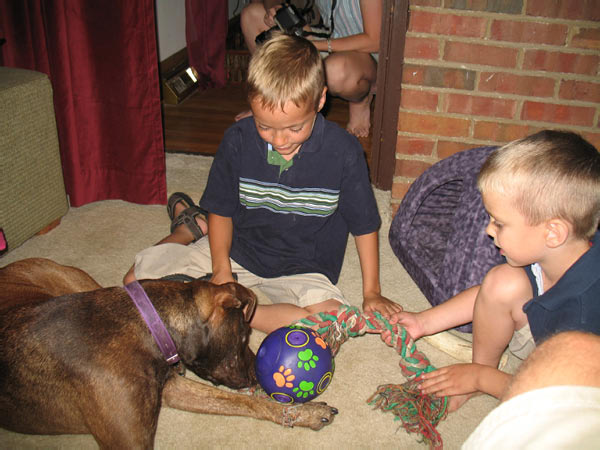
(35, 279)
(85, 362)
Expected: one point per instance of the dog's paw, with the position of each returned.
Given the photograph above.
(314, 415)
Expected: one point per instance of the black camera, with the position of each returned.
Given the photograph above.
(288, 20)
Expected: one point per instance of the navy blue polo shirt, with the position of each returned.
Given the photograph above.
(296, 221)
(573, 303)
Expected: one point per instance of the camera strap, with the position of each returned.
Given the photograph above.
(310, 4)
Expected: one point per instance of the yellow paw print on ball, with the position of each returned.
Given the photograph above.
(284, 377)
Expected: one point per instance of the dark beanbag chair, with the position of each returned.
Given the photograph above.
(438, 233)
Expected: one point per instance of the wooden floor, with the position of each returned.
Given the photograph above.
(197, 124)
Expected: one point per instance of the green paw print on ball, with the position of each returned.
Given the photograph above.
(308, 360)
(304, 389)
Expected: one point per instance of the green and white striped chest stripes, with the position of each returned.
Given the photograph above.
(283, 199)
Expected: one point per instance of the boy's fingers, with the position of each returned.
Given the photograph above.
(436, 374)
(396, 308)
(394, 319)
(386, 336)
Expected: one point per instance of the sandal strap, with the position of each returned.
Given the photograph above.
(188, 217)
(174, 199)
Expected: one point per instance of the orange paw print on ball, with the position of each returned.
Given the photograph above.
(284, 377)
(321, 343)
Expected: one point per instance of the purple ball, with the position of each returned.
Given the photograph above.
(294, 364)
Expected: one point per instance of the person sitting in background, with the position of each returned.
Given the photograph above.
(351, 50)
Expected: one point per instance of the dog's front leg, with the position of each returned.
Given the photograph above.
(188, 395)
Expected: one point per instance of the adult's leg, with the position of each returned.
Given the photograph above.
(252, 21)
(568, 358)
(552, 402)
(353, 77)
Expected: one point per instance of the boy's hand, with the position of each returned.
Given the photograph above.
(377, 302)
(269, 18)
(458, 382)
(222, 277)
(408, 320)
(456, 379)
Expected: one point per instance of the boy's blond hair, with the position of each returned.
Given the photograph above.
(551, 174)
(286, 68)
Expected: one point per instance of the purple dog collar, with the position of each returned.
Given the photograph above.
(156, 325)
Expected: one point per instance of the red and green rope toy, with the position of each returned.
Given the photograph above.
(419, 413)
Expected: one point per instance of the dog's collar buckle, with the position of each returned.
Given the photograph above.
(155, 324)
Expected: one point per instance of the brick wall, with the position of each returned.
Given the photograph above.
(486, 72)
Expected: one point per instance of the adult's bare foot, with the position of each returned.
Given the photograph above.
(243, 115)
(359, 122)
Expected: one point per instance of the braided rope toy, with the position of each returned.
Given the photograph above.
(419, 413)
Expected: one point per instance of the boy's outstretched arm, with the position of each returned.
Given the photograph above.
(220, 232)
(459, 379)
(367, 246)
(455, 311)
(496, 313)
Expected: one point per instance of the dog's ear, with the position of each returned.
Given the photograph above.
(241, 297)
(202, 292)
(225, 296)
(249, 299)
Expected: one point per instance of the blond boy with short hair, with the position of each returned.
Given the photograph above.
(542, 194)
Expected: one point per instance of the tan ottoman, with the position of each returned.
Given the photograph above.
(32, 191)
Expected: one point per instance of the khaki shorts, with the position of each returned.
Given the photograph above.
(194, 260)
(522, 343)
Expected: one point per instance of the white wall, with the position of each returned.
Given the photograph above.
(239, 3)
(170, 24)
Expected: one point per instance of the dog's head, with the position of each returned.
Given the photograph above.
(222, 354)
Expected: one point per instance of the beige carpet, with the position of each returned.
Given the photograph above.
(102, 238)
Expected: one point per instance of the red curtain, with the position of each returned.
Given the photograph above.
(206, 33)
(102, 61)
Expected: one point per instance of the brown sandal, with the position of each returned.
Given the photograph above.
(178, 197)
(188, 217)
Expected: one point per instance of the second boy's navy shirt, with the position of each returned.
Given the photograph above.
(573, 303)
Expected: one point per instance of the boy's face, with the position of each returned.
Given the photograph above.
(522, 244)
(286, 130)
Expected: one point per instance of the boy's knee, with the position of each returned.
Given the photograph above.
(506, 285)
(338, 75)
(252, 15)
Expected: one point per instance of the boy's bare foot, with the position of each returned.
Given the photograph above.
(359, 122)
(243, 115)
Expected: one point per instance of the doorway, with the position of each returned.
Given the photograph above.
(389, 81)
